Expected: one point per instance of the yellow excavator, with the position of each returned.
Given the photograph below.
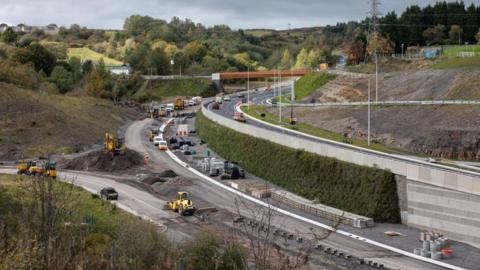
(113, 145)
(183, 205)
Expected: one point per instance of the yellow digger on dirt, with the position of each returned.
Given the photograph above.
(113, 145)
(183, 205)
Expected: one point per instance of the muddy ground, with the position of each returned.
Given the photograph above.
(448, 131)
(104, 162)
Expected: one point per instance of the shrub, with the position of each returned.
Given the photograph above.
(363, 190)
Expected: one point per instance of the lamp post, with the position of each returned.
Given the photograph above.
(248, 87)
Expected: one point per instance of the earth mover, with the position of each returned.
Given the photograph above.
(50, 169)
(24, 166)
(183, 205)
(113, 145)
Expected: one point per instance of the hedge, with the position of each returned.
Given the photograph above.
(358, 189)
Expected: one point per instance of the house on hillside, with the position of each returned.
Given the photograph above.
(119, 69)
(51, 29)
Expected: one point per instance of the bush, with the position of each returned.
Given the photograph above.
(362, 190)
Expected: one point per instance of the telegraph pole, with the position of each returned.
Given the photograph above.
(280, 99)
(292, 98)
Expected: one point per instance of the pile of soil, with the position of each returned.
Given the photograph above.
(178, 181)
(102, 161)
(150, 180)
(168, 174)
(162, 177)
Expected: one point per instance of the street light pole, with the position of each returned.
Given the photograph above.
(248, 87)
(280, 99)
(368, 139)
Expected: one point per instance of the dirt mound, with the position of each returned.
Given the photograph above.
(101, 161)
(152, 179)
(168, 174)
(177, 181)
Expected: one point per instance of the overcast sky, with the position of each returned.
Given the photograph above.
(235, 13)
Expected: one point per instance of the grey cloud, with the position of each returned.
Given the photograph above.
(235, 13)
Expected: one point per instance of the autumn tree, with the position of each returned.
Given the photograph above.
(435, 35)
(455, 34)
(381, 44)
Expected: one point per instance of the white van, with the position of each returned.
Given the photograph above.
(162, 145)
(157, 140)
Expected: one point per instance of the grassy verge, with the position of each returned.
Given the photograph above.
(458, 62)
(88, 54)
(363, 190)
(311, 82)
(256, 110)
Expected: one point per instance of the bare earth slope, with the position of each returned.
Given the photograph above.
(444, 131)
(34, 124)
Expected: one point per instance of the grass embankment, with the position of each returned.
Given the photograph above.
(88, 54)
(54, 225)
(311, 82)
(363, 190)
(451, 59)
(257, 110)
(180, 87)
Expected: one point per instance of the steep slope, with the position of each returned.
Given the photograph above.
(33, 123)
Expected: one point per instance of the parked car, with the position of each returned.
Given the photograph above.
(109, 193)
(432, 160)
(226, 98)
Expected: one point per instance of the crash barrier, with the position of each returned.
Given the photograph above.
(330, 213)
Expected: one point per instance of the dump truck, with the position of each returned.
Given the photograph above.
(113, 145)
(24, 166)
(183, 205)
(238, 116)
(178, 105)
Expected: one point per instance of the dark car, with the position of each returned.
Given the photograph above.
(109, 193)
(241, 95)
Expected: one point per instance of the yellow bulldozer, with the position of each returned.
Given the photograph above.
(183, 205)
(113, 145)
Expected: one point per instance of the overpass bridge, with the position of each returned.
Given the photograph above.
(217, 78)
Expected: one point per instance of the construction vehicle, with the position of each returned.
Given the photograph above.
(238, 116)
(154, 113)
(183, 205)
(153, 133)
(24, 166)
(178, 105)
(113, 145)
(50, 169)
(36, 170)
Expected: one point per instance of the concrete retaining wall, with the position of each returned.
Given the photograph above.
(441, 176)
(460, 221)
